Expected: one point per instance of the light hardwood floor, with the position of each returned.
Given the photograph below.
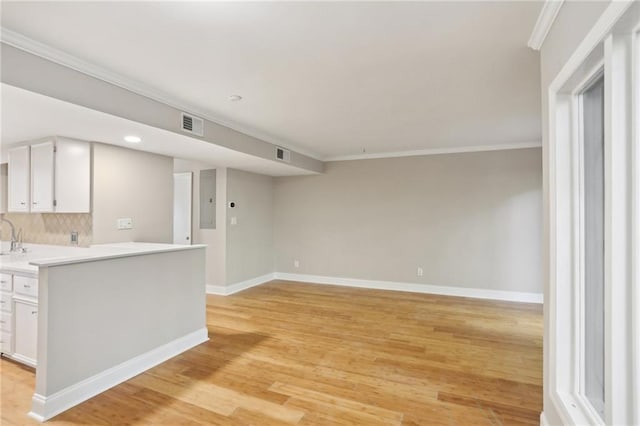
(290, 353)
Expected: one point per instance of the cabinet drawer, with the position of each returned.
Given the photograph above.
(6, 283)
(6, 342)
(6, 302)
(6, 321)
(25, 286)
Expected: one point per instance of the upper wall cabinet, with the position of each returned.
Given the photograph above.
(72, 176)
(42, 168)
(18, 180)
(58, 177)
(3, 187)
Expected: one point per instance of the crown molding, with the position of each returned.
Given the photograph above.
(547, 16)
(437, 151)
(22, 42)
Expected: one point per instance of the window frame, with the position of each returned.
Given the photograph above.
(612, 46)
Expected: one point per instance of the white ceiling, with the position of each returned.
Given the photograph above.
(26, 116)
(330, 78)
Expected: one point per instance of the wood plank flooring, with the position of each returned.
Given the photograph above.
(297, 354)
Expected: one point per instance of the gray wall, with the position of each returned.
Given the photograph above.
(573, 22)
(215, 239)
(470, 220)
(135, 184)
(250, 241)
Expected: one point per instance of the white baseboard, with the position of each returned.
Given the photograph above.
(543, 420)
(46, 407)
(477, 293)
(236, 287)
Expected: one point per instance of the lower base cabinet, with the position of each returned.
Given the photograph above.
(26, 331)
(19, 318)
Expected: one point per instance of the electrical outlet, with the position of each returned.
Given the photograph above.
(74, 238)
(124, 223)
(296, 263)
(420, 272)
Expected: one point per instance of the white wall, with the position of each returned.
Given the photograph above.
(469, 220)
(573, 22)
(131, 184)
(215, 239)
(250, 248)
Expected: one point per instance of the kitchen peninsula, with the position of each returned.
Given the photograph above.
(103, 314)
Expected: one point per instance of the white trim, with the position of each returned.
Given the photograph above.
(22, 42)
(543, 420)
(221, 290)
(618, 131)
(46, 407)
(635, 209)
(545, 21)
(437, 151)
(21, 358)
(601, 28)
(562, 349)
(476, 293)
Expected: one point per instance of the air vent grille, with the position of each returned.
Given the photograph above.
(283, 154)
(191, 124)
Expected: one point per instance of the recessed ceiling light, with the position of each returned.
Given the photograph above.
(132, 139)
(235, 98)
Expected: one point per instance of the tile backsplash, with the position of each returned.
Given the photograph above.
(50, 228)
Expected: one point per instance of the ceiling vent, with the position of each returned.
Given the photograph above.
(283, 154)
(191, 124)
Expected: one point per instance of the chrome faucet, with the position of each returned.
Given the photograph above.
(15, 239)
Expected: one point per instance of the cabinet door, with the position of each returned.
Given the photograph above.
(18, 180)
(73, 176)
(6, 343)
(26, 331)
(42, 177)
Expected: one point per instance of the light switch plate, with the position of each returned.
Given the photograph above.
(125, 223)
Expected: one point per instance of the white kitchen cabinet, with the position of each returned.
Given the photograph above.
(73, 176)
(3, 187)
(42, 169)
(19, 317)
(5, 302)
(25, 286)
(50, 176)
(6, 336)
(25, 344)
(6, 282)
(6, 342)
(6, 322)
(6, 314)
(18, 179)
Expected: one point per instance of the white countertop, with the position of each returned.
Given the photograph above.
(40, 255)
